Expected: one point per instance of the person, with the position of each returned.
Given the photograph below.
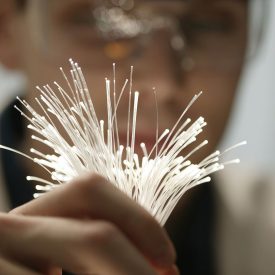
(89, 227)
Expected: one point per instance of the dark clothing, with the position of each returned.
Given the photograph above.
(193, 237)
(11, 134)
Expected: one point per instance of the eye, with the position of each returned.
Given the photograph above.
(76, 14)
(203, 25)
(201, 29)
(82, 19)
(80, 25)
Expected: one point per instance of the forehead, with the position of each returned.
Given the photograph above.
(62, 8)
(67, 3)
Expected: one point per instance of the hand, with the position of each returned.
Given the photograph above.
(88, 227)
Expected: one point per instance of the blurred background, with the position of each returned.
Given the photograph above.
(254, 114)
(253, 117)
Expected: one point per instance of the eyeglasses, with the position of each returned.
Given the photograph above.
(199, 34)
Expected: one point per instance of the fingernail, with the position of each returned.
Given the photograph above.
(166, 256)
(172, 271)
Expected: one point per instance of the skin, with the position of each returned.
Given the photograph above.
(90, 219)
(90, 230)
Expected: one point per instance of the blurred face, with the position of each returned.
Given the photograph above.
(179, 47)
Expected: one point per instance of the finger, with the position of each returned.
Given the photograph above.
(171, 271)
(96, 198)
(77, 246)
(11, 268)
(53, 271)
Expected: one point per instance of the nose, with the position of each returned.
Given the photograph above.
(157, 68)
